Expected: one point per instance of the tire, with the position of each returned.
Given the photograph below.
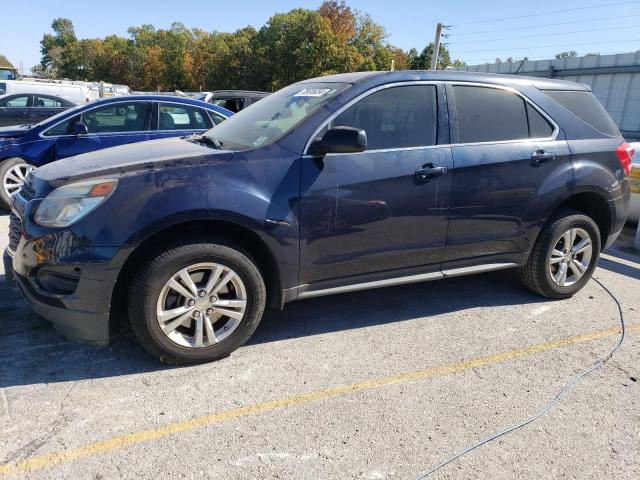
(9, 168)
(542, 273)
(152, 299)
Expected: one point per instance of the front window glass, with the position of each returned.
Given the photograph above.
(273, 116)
(3, 88)
(397, 117)
(15, 102)
(63, 128)
(119, 117)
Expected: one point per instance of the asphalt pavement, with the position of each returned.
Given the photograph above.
(376, 384)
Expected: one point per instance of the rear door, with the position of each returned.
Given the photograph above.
(176, 120)
(108, 125)
(371, 212)
(508, 166)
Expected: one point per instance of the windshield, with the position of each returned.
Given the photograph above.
(266, 121)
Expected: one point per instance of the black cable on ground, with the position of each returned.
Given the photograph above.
(549, 406)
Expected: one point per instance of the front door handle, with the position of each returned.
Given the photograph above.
(540, 156)
(429, 171)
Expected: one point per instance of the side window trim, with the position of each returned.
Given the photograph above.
(453, 115)
(371, 91)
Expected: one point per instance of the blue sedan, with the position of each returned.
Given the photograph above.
(97, 125)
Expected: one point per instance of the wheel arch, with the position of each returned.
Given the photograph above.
(247, 239)
(593, 203)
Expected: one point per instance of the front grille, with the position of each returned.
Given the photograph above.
(15, 231)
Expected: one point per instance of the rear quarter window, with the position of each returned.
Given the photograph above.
(587, 108)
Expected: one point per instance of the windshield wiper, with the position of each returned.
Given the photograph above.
(214, 142)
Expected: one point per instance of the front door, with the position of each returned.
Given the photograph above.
(108, 125)
(373, 212)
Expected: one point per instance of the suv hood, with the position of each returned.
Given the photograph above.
(117, 161)
(14, 131)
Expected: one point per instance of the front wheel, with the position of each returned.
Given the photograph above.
(196, 302)
(13, 172)
(564, 256)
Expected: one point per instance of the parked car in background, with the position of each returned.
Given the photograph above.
(634, 180)
(75, 94)
(96, 125)
(8, 73)
(234, 100)
(20, 109)
(330, 185)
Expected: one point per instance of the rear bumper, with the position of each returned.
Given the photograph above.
(619, 209)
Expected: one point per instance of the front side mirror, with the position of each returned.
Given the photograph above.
(80, 128)
(340, 140)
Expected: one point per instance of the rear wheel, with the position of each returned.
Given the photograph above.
(196, 302)
(13, 172)
(564, 257)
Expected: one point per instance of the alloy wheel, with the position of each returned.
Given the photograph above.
(14, 178)
(201, 305)
(570, 257)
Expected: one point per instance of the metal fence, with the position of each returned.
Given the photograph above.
(614, 80)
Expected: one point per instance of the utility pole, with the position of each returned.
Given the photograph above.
(436, 47)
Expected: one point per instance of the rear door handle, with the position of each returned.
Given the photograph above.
(429, 171)
(540, 156)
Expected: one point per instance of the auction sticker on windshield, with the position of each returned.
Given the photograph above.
(314, 92)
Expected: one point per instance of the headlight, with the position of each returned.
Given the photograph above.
(69, 203)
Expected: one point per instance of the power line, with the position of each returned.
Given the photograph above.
(550, 46)
(586, 7)
(617, 17)
(538, 36)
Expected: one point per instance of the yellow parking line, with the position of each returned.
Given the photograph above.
(55, 458)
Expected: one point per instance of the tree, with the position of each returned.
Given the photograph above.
(342, 18)
(570, 53)
(4, 61)
(423, 61)
(296, 45)
(54, 48)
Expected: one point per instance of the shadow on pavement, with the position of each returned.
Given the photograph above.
(32, 352)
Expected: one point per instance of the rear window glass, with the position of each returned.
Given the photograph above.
(3, 88)
(489, 115)
(586, 107)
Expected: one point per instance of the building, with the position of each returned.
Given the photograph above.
(614, 80)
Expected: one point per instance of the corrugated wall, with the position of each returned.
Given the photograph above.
(614, 79)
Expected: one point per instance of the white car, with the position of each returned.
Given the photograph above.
(76, 94)
(634, 180)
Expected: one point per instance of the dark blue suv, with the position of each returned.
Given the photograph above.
(328, 186)
(95, 125)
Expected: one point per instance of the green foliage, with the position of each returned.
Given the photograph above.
(291, 46)
(4, 62)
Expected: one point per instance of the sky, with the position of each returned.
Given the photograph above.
(480, 30)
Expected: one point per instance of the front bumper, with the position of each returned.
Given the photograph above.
(63, 278)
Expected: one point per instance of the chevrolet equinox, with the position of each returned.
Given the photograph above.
(330, 185)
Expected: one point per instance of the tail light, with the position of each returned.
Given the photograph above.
(625, 154)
